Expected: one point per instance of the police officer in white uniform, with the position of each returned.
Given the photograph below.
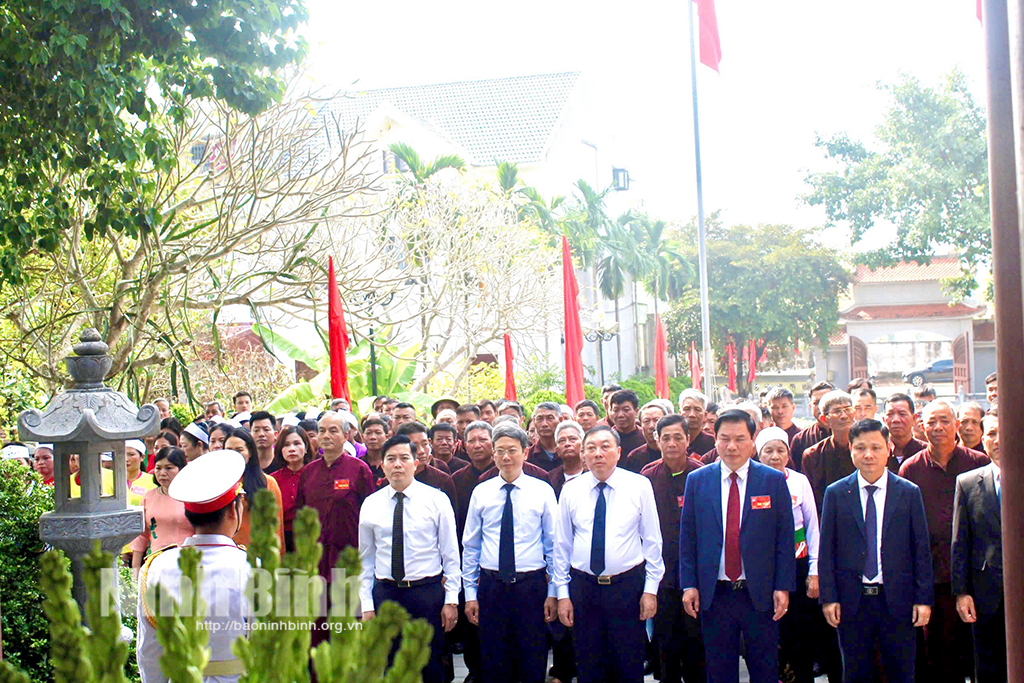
(210, 489)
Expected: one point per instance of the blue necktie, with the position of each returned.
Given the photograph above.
(507, 540)
(871, 526)
(597, 539)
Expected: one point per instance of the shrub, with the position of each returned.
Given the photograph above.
(182, 413)
(531, 401)
(23, 498)
(594, 394)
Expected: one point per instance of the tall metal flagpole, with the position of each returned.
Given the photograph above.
(705, 324)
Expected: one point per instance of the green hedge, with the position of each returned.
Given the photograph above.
(26, 634)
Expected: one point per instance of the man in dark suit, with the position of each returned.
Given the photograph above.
(977, 559)
(736, 560)
(874, 561)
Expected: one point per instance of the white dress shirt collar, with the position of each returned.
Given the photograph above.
(741, 472)
(409, 491)
(882, 481)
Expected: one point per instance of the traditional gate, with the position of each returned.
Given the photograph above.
(962, 363)
(857, 352)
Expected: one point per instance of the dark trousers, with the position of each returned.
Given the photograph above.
(609, 638)
(514, 649)
(421, 602)
(990, 647)
(680, 645)
(947, 641)
(731, 615)
(563, 655)
(797, 628)
(873, 628)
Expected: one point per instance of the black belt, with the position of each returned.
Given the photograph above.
(871, 589)
(519, 576)
(405, 583)
(734, 585)
(610, 580)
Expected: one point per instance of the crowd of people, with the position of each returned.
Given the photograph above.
(672, 539)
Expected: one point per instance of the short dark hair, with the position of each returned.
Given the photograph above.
(547, 405)
(263, 415)
(309, 425)
(378, 422)
(514, 406)
(175, 455)
(820, 386)
(441, 427)
(765, 413)
(207, 519)
(925, 390)
(895, 398)
(587, 403)
(735, 415)
(668, 421)
(412, 428)
(240, 394)
(169, 436)
(597, 429)
(483, 403)
(859, 383)
(402, 405)
(712, 408)
(397, 440)
(866, 390)
(779, 393)
(866, 426)
(610, 388)
(172, 424)
(624, 395)
(468, 408)
(512, 431)
(990, 378)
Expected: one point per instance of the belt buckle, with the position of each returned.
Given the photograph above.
(512, 580)
(870, 590)
(738, 585)
(604, 580)
(404, 583)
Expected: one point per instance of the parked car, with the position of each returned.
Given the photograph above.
(937, 371)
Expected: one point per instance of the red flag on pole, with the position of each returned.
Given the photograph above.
(710, 45)
(573, 330)
(510, 377)
(752, 366)
(695, 373)
(730, 352)
(660, 359)
(337, 335)
(979, 12)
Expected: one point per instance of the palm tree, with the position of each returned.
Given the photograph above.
(421, 172)
(662, 269)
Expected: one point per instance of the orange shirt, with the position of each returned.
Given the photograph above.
(165, 522)
(242, 535)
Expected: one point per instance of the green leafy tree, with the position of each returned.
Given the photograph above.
(926, 174)
(774, 284)
(85, 87)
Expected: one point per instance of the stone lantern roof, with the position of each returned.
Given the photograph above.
(89, 411)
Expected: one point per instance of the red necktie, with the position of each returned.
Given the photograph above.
(733, 561)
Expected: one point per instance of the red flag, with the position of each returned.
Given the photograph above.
(573, 330)
(510, 377)
(660, 356)
(710, 45)
(752, 366)
(695, 372)
(337, 334)
(730, 352)
(979, 12)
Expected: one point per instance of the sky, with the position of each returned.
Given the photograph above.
(790, 71)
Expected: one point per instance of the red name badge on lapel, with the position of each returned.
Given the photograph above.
(341, 484)
(679, 499)
(760, 502)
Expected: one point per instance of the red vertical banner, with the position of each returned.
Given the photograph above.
(573, 330)
(337, 335)
(660, 360)
(752, 366)
(695, 373)
(710, 44)
(730, 352)
(510, 377)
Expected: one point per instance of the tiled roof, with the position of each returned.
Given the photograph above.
(910, 311)
(938, 268)
(984, 331)
(504, 119)
(839, 338)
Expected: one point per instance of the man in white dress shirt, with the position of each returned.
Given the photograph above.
(209, 488)
(409, 550)
(607, 562)
(507, 556)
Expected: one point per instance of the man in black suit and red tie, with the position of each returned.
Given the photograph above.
(977, 559)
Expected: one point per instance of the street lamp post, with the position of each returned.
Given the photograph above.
(600, 336)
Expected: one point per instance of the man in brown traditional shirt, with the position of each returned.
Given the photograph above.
(680, 645)
(829, 460)
(587, 413)
(624, 406)
(569, 446)
(935, 469)
(969, 414)
(813, 434)
(780, 403)
(692, 406)
(899, 419)
(546, 417)
(640, 457)
(425, 472)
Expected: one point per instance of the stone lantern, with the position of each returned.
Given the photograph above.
(86, 420)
